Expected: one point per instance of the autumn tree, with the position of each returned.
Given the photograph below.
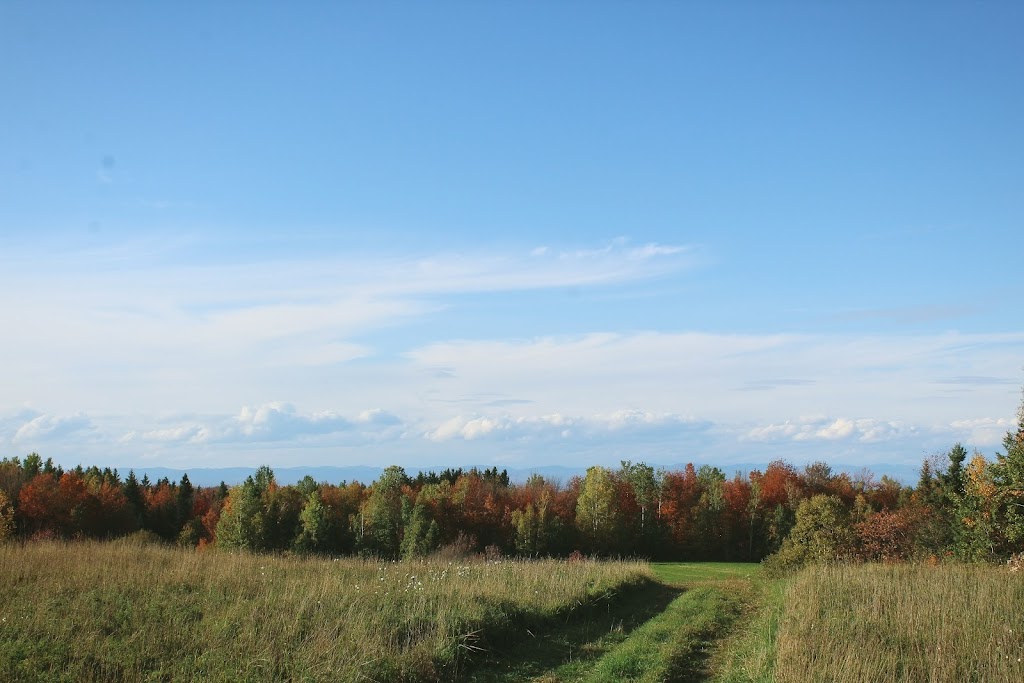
(6, 517)
(161, 510)
(781, 491)
(114, 518)
(341, 505)
(38, 505)
(538, 529)
(12, 478)
(481, 501)
(888, 535)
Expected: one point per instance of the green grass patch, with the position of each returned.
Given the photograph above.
(694, 573)
(748, 654)
(673, 645)
(568, 650)
(664, 631)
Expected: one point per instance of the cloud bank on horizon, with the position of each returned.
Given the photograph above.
(357, 248)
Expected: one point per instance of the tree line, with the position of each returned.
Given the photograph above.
(963, 506)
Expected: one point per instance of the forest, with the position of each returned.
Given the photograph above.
(963, 506)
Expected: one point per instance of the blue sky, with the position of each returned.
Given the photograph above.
(509, 233)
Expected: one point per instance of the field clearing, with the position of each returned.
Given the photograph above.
(694, 573)
(115, 612)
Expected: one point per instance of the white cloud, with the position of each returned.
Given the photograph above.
(379, 417)
(865, 430)
(652, 250)
(187, 432)
(838, 429)
(272, 422)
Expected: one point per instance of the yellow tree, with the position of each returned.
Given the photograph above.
(974, 524)
(597, 515)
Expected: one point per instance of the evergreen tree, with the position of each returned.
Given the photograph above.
(185, 499)
(133, 494)
(32, 465)
(1008, 475)
(421, 533)
(953, 478)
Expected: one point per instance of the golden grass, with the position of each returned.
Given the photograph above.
(907, 623)
(114, 612)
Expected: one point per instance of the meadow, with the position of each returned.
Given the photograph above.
(912, 623)
(95, 611)
(885, 623)
(92, 611)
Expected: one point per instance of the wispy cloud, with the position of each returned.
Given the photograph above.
(272, 422)
(160, 311)
(984, 431)
(923, 313)
(557, 426)
(711, 374)
(51, 427)
(977, 380)
(771, 384)
(112, 342)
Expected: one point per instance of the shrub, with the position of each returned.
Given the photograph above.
(821, 535)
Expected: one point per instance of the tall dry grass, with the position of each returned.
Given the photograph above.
(908, 623)
(114, 612)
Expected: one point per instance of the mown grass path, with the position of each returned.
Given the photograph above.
(663, 632)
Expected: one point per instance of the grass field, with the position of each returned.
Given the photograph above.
(950, 623)
(113, 612)
(885, 623)
(116, 612)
